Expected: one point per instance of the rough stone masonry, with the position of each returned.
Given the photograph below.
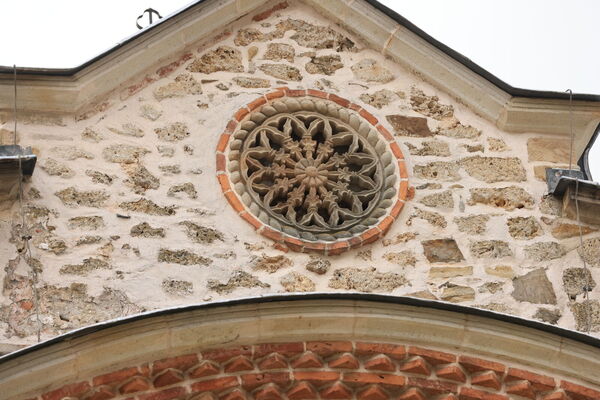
(126, 212)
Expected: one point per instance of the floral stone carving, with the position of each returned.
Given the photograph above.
(311, 172)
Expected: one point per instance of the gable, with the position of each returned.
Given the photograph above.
(137, 202)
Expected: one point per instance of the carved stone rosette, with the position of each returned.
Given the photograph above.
(312, 171)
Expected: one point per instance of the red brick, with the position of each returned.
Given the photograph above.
(339, 100)
(182, 363)
(271, 234)
(396, 150)
(416, 365)
(314, 246)
(101, 393)
(555, 396)
(224, 182)
(448, 397)
(239, 364)
(403, 190)
(221, 162)
(355, 242)
(368, 116)
(268, 393)
(432, 356)
(539, 383)
(370, 378)
(252, 381)
(402, 170)
(473, 364)
(220, 355)
(168, 377)
(370, 235)
(293, 243)
(396, 209)
(285, 349)
(385, 133)
(355, 107)
(223, 141)
(579, 392)
(295, 93)
(412, 394)
(215, 384)
(135, 384)
(521, 388)
(274, 361)
(167, 394)
(373, 392)
(327, 349)
(316, 93)
(317, 378)
(391, 350)
(117, 376)
(307, 360)
(385, 224)
(205, 369)
(333, 249)
(235, 202)
(231, 125)
(345, 361)
(236, 394)
(380, 363)
(281, 247)
(336, 391)
(256, 103)
(251, 219)
(241, 113)
(266, 14)
(474, 394)
(486, 379)
(432, 387)
(302, 391)
(274, 95)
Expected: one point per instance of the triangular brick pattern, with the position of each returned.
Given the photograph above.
(322, 370)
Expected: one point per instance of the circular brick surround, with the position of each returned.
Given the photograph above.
(287, 241)
(321, 370)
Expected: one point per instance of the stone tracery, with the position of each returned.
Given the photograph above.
(312, 169)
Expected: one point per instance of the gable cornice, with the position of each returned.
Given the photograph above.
(70, 91)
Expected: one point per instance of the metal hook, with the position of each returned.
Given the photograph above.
(150, 12)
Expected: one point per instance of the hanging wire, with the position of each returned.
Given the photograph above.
(25, 235)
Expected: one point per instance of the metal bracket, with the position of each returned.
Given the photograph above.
(9, 159)
(558, 179)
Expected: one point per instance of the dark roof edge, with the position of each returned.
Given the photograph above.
(376, 298)
(513, 91)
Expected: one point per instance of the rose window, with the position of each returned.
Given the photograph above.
(312, 169)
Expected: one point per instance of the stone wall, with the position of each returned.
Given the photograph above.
(126, 212)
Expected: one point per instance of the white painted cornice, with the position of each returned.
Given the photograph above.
(525, 111)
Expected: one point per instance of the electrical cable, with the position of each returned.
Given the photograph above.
(25, 236)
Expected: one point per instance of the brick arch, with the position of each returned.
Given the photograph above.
(322, 370)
